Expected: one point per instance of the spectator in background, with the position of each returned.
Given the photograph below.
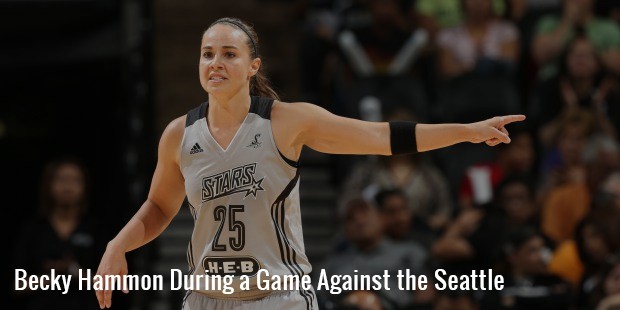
(473, 239)
(611, 287)
(601, 158)
(371, 253)
(482, 44)
(525, 264)
(436, 15)
(456, 300)
(581, 85)
(399, 220)
(61, 237)
(609, 9)
(427, 190)
(563, 171)
(361, 300)
(610, 190)
(480, 180)
(599, 240)
(581, 260)
(578, 187)
(374, 47)
(516, 198)
(322, 21)
(553, 32)
(379, 58)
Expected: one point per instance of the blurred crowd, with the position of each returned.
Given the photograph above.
(543, 211)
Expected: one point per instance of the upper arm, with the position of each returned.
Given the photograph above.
(167, 187)
(325, 132)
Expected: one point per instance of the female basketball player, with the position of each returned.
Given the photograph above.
(235, 158)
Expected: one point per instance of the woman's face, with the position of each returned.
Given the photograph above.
(594, 244)
(529, 257)
(517, 202)
(225, 65)
(571, 143)
(522, 152)
(581, 60)
(68, 185)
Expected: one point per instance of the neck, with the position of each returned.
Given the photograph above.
(226, 110)
(369, 245)
(477, 22)
(583, 86)
(65, 213)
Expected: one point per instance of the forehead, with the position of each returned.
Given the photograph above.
(68, 168)
(224, 34)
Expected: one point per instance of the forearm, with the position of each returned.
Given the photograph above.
(435, 136)
(143, 227)
(452, 249)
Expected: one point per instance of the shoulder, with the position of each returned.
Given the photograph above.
(289, 107)
(175, 128)
(296, 112)
(171, 138)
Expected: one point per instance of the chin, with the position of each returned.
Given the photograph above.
(216, 90)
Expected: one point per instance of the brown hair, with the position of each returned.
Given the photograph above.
(47, 203)
(259, 83)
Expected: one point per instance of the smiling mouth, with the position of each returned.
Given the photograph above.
(216, 78)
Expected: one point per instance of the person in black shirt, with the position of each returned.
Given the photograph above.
(59, 238)
(527, 283)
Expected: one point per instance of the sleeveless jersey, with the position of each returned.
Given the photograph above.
(244, 201)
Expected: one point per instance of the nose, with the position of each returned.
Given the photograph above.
(216, 62)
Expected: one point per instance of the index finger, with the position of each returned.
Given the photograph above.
(505, 120)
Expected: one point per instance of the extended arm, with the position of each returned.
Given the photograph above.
(329, 133)
(164, 201)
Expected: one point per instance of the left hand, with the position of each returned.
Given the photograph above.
(493, 131)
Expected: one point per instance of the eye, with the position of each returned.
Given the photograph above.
(230, 54)
(207, 54)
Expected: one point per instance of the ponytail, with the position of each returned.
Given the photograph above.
(261, 86)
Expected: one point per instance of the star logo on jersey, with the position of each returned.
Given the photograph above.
(255, 143)
(255, 187)
(236, 180)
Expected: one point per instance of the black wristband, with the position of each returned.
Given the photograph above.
(402, 137)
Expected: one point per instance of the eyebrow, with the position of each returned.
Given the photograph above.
(225, 46)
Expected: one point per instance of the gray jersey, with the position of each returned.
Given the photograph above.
(245, 203)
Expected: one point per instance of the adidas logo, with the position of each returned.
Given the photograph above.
(196, 149)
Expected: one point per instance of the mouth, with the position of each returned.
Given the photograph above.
(217, 78)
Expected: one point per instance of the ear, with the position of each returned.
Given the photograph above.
(255, 66)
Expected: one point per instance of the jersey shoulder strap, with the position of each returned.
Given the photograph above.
(261, 106)
(196, 113)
